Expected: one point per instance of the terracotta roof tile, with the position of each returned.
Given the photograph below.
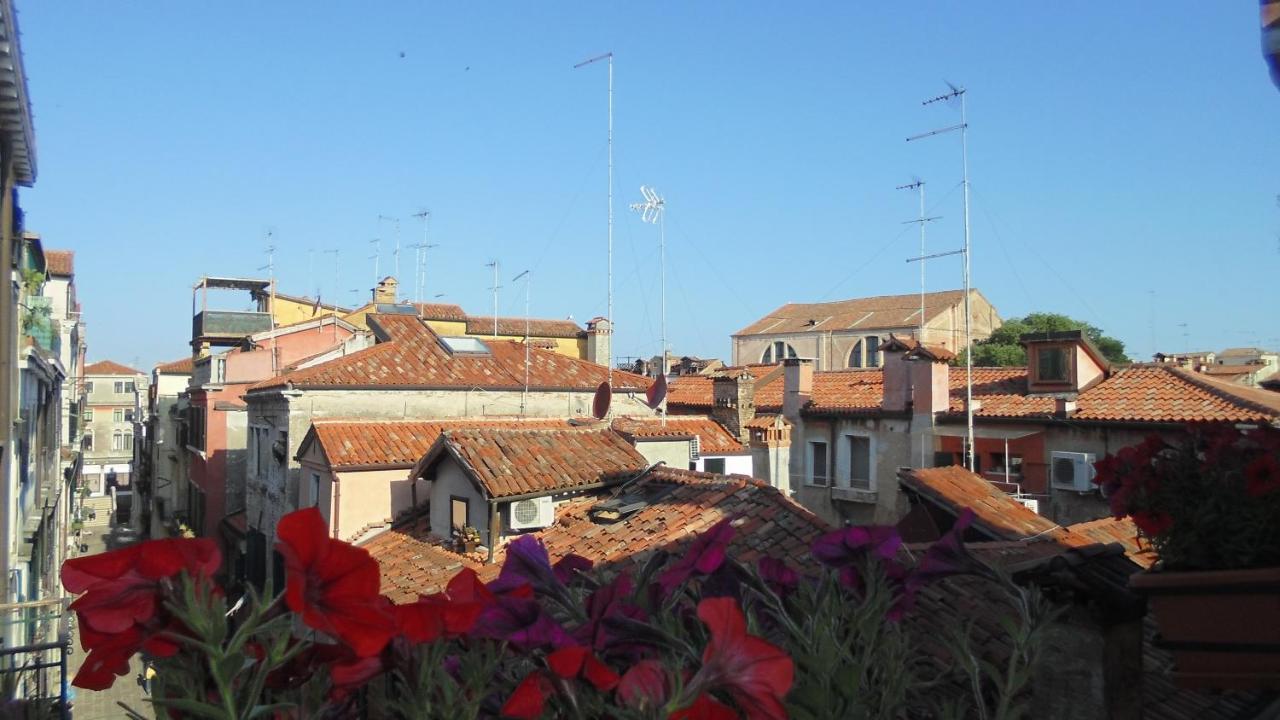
(765, 421)
(713, 438)
(109, 367)
(687, 503)
(1110, 530)
(873, 313)
(60, 262)
(414, 357)
(515, 462)
(441, 311)
(182, 366)
(397, 442)
(480, 326)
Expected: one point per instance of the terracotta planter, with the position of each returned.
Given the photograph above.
(1222, 626)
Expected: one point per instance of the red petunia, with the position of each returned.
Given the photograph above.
(333, 585)
(755, 673)
(705, 708)
(1262, 476)
(577, 661)
(529, 698)
(704, 556)
(447, 614)
(645, 685)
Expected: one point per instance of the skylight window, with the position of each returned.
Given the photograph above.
(470, 345)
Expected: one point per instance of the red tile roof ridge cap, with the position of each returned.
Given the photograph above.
(1228, 392)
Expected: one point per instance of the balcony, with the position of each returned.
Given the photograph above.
(225, 327)
(860, 496)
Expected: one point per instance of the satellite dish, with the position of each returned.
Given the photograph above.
(600, 406)
(657, 392)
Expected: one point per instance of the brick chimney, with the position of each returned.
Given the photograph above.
(771, 453)
(599, 336)
(385, 292)
(930, 379)
(733, 396)
(897, 375)
(797, 386)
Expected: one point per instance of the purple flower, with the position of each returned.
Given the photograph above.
(610, 600)
(704, 556)
(846, 547)
(569, 566)
(948, 555)
(523, 623)
(778, 575)
(527, 563)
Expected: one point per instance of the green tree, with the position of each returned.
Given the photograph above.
(1004, 349)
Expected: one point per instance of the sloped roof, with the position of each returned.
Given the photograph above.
(770, 525)
(60, 262)
(479, 326)
(441, 311)
(413, 356)
(872, 313)
(398, 443)
(713, 438)
(109, 367)
(507, 462)
(182, 366)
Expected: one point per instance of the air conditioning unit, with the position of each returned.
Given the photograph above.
(1030, 503)
(1072, 471)
(533, 513)
(695, 448)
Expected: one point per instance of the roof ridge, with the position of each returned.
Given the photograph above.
(1217, 389)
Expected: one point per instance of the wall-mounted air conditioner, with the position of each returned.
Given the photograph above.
(1030, 503)
(533, 513)
(1072, 471)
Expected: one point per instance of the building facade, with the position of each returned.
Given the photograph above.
(113, 402)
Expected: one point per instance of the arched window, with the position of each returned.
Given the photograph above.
(855, 355)
(777, 352)
(873, 351)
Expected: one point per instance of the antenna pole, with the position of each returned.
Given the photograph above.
(528, 276)
(376, 256)
(270, 267)
(608, 56)
(420, 257)
(494, 264)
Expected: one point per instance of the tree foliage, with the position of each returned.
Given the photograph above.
(1004, 349)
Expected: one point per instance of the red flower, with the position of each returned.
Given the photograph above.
(1152, 523)
(450, 613)
(755, 673)
(121, 610)
(705, 708)
(571, 662)
(1262, 476)
(644, 686)
(704, 556)
(529, 698)
(332, 584)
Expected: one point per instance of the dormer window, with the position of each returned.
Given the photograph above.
(1052, 365)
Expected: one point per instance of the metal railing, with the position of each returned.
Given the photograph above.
(33, 668)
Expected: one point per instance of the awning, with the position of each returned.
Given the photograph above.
(992, 433)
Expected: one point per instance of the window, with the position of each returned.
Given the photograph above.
(117, 415)
(88, 441)
(119, 387)
(458, 507)
(117, 441)
(873, 351)
(777, 352)
(88, 415)
(315, 489)
(88, 387)
(1051, 365)
(128, 416)
(195, 427)
(128, 441)
(817, 463)
(998, 464)
(855, 355)
(713, 465)
(129, 387)
(859, 461)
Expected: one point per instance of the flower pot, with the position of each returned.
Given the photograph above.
(1220, 625)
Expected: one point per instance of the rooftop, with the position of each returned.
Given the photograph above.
(873, 313)
(61, 263)
(713, 438)
(109, 367)
(181, 366)
(412, 356)
(397, 443)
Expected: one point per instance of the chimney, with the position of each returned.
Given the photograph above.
(897, 376)
(797, 386)
(771, 453)
(385, 292)
(599, 335)
(930, 379)
(733, 401)
(1064, 408)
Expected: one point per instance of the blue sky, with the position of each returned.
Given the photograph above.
(1125, 159)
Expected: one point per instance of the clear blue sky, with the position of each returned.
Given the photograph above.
(1116, 149)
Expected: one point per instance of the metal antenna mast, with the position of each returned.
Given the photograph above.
(420, 258)
(918, 186)
(494, 264)
(608, 56)
(963, 127)
(270, 267)
(395, 254)
(375, 257)
(528, 275)
(337, 266)
(651, 211)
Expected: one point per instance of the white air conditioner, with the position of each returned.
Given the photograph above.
(533, 513)
(1072, 471)
(695, 448)
(1030, 503)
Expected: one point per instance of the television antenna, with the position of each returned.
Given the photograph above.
(494, 264)
(270, 267)
(395, 254)
(609, 57)
(420, 256)
(528, 276)
(375, 257)
(652, 212)
(958, 94)
(918, 185)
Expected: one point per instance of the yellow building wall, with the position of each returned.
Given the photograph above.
(451, 328)
(288, 312)
(569, 347)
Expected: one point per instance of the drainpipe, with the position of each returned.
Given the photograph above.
(493, 530)
(8, 341)
(337, 501)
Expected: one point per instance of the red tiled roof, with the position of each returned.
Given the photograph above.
(414, 357)
(713, 438)
(1230, 370)
(516, 462)
(873, 313)
(398, 442)
(843, 391)
(1162, 393)
(770, 525)
(109, 367)
(441, 311)
(480, 326)
(1110, 530)
(764, 421)
(60, 262)
(183, 366)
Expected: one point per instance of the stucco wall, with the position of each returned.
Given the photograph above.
(733, 464)
(890, 450)
(1068, 507)
(449, 482)
(675, 453)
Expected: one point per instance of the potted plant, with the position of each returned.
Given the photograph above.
(1209, 504)
(466, 539)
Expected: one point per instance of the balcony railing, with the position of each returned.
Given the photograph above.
(34, 669)
(228, 324)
